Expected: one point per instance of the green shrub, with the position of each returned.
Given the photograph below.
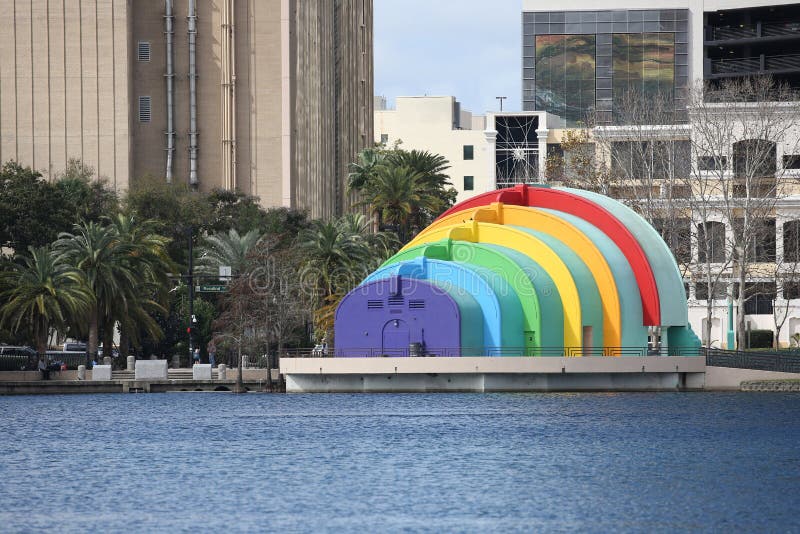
(761, 339)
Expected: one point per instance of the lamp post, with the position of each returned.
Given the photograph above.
(192, 320)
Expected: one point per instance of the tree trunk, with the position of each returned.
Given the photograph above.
(124, 342)
(741, 333)
(709, 315)
(239, 381)
(94, 333)
(108, 340)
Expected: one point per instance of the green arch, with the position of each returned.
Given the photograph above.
(542, 311)
(591, 307)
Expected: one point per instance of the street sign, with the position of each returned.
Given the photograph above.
(211, 288)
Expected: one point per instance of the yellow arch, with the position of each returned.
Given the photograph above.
(499, 213)
(480, 232)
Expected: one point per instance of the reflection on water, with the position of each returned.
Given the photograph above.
(443, 462)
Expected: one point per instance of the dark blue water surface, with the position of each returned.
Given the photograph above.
(442, 462)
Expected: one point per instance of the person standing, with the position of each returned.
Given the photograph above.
(196, 356)
(43, 369)
(212, 353)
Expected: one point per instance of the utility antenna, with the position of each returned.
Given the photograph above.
(501, 98)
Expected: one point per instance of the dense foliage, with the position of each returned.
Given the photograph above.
(78, 261)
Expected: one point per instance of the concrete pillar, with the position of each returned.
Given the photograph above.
(81, 372)
(491, 157)
(223, 371)
(541, 135)
(176, 361)
(131, 363)
(106, 360)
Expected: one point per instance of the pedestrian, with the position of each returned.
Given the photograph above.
(212, 353)
(196, 356)
(43, 369)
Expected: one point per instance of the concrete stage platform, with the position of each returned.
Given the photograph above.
(651, 373)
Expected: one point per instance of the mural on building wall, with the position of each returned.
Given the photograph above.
(523, 271)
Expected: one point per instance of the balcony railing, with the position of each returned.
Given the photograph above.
(755, 64)
(751, 31)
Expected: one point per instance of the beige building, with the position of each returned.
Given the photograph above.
(499, 149)
(276, 102)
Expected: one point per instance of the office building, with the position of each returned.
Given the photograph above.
(580, 60)
(271, 97)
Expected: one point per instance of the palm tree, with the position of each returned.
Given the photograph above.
(433, 185)
(395, 194)
(41, 292)
(229, 249)
(363, 170)
(148, 254)
(105, 261)
(334, 255)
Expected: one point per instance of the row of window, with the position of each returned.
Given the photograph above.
(759, 296)
(713, 247)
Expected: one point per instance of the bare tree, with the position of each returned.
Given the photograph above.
(736, 129)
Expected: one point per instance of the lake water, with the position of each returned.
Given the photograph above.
(372, 462)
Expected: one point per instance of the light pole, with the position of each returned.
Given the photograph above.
(501, 98)
(190, 329)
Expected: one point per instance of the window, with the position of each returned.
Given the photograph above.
(701, 290)
(565, 75)
(384, 138)
(711, 242)
(469, 183)
(144, 109)
(759, 239)
(656, 160)
(759, 297)
(676, 233)
(754, 158)
(791, 161)
(469, 152)
(791, 290)
(712, 163)
(791, 241)
(642, 62)
(143, 51)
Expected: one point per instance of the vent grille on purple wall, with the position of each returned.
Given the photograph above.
(416, 304)
(396, 301)
(374, 304)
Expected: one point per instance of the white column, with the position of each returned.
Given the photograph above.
(491, 157)
(541, 134)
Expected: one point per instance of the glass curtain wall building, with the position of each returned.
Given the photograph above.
(576, 64)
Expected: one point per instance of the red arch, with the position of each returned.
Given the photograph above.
(545, 197)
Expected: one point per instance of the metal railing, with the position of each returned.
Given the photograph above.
(755, 64)
(763, 361)
(458, 352)
(750, 31)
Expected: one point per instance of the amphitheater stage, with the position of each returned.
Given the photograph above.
(486, 374)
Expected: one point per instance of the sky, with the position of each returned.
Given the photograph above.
(470, 49)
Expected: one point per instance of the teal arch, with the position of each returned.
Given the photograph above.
(550, 308)
(502, 311)
(591, 307)
(634, 334)
(674, 309)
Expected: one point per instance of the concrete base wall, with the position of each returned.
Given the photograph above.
(492, 374)
(729, 378)
(493, 382)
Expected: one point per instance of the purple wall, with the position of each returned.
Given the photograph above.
(385, 316)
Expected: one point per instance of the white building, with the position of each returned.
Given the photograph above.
(485, 152)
